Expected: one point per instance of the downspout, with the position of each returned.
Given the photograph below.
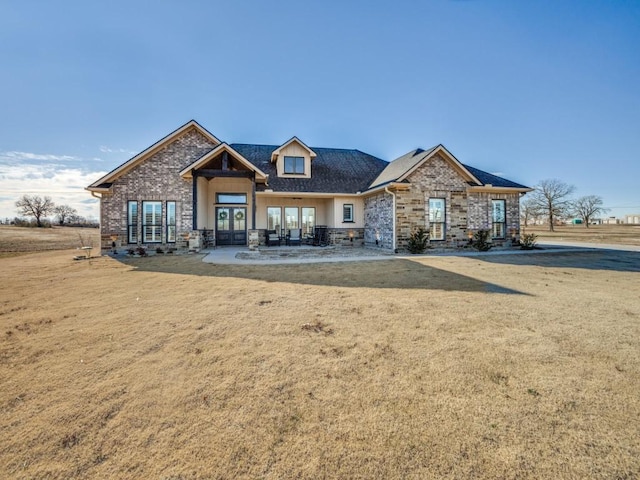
(393, 238)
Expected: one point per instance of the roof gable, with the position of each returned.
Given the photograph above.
(148, 152)
(294, 139)
(399, 169)
(223, 147)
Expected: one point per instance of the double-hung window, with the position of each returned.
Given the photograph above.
(347, 213)
(152, 222)
(132, 221)
(294, 165)
(436, 218)
(171, 222)
(498, 218)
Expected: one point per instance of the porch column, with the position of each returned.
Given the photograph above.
(253, 202)
(194, 187)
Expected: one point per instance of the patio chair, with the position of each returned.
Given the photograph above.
(273, 238)
(294, 237)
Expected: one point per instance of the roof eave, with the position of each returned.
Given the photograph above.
(133, 161)
(491, 188)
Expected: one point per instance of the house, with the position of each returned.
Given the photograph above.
(191, 189)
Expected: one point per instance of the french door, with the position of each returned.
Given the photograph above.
(231, 225)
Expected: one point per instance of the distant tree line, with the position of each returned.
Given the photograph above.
(34, 211)
(551, 200)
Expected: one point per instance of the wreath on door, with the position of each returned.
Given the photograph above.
(223, 215)
(239, 216)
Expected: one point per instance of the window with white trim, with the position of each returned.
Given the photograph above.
(436, 218)
(347, 213)
(152, 222)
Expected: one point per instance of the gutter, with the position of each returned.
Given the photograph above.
(393, 238)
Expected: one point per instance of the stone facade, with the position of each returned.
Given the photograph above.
(468, 206)
(480, 213)
(465, 212)
(434, 179)
(378, 220)
(155, 179)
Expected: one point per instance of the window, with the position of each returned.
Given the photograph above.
(294, 165)
(347, 212)
(152, 222)
(233, 198)
(132, 222)
(171, 222)
(498, 218)
(274, 219)
(308, 220)
(291, 217)
(436, 218)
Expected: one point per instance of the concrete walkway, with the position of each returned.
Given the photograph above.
(299, 255)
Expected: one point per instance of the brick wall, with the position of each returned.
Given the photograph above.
(157, 179)
(464, 211)
(378, 220)
(434, 179)
(480, 212)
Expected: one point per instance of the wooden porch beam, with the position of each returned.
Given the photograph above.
(211, 173)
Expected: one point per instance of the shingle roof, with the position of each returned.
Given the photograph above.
(334, 170)
(400, 166)
(490, 179)
(396, 169)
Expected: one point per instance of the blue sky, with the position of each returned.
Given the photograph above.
(527, 90)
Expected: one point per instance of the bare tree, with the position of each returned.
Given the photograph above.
(35, 206)
(528, 211)
(588, 207)
(552, 198)
(64, 213)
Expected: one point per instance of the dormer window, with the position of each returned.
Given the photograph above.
(293, 159)
(294, 165)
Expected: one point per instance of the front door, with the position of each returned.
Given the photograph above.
(231, 225)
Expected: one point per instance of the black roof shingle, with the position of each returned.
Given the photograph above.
(338, 170)
(334, 170)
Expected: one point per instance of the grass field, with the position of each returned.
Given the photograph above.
(509, 366)
(609, 234)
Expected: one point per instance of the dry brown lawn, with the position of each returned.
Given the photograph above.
(514, 366)
(610, 234)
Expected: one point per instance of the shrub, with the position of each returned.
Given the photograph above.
(141, 251)
(418, 241)
(481, 241)
(528, 241)
(159, 250)
(131, 251)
